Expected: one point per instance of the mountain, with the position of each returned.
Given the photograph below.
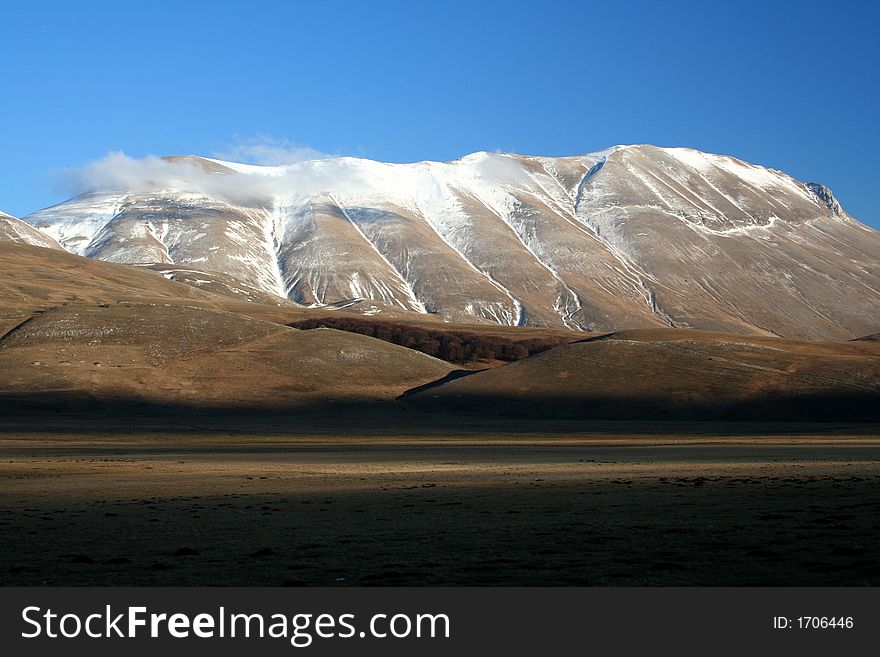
(634, 236)
(16, 230)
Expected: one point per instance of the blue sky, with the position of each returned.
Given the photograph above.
(791, 85)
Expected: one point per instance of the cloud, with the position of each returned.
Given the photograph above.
(269, 151)
(119, 172)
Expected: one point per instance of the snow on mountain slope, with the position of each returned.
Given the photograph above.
(17, 230)
(75, 222)
(630, 236)
(721, 243)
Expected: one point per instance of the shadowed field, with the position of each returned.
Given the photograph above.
(603, 505)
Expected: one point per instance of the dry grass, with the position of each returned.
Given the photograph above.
(691, 509)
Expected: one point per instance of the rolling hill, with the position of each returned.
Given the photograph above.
(675, 374)
(74, 330)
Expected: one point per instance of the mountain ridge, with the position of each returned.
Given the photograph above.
(16, 230)
(627, 237)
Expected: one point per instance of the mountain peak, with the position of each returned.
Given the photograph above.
(826, 197)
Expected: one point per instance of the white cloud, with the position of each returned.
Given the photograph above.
(269, 151)
(118, 172)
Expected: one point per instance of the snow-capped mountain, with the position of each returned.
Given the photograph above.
(631, 236)
(16, 230)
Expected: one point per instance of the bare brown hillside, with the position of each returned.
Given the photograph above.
(676, 374)
(83, 329)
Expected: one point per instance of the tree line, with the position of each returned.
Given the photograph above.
(446, 343)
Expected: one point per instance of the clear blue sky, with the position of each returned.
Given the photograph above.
(792, 85)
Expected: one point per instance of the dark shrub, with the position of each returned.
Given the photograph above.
(451, 344)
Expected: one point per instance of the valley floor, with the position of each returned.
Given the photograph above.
(314, 501)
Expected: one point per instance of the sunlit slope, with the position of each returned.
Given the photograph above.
(73, 328)
(16, 230)
(676, 374)
(193, 357)
(634, 236)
